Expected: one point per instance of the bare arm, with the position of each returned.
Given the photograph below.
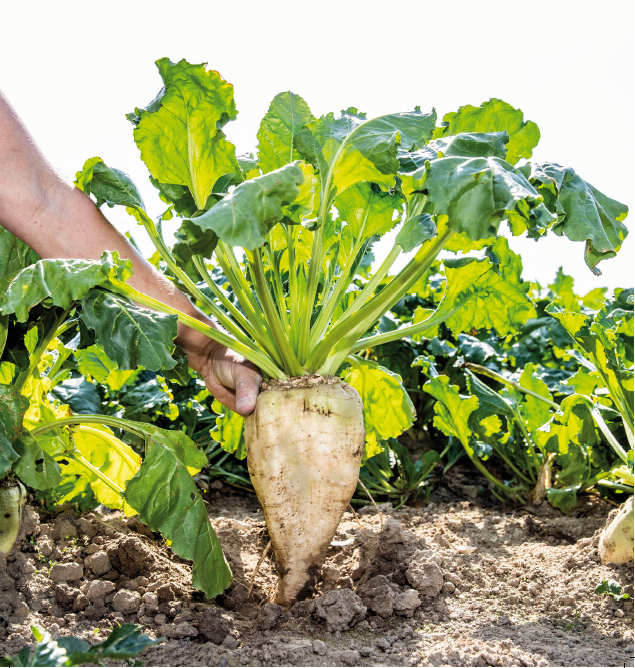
(58, 220)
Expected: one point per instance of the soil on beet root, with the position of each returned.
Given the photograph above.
(451, 582)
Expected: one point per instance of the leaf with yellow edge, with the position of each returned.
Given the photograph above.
(180, 138)
(452, 410)
(487, 293)
(494, 116)
(229, 430)
(116, 460)
(388, 409)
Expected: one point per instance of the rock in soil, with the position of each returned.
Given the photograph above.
(451, 582)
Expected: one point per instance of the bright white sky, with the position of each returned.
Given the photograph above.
(73, 69)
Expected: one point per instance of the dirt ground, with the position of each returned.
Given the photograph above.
(452, 582)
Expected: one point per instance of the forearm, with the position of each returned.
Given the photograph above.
(57, 220)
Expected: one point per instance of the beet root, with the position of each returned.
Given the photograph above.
(304, 450)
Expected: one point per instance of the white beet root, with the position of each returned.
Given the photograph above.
(616, 539)
(12, 500)
(304, 450)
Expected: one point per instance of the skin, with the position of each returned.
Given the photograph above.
(57, 220)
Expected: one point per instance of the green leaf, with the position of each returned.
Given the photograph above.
(478, 193)
(167, 500)
(487, 293)
(489, 401)
(421, 315)
(463, 145)
(124, 642)
(180, 137)
(388, 409)
(287, 113)
(584, 213)
(7, 454)
(109, 186)
(130, 335)
(179, 197)
(192, 240)
(180, 374)
(12, 408)
(245, 216)
(14, 254)
(416, 231)
(565, 499)
(600, 342)
(94, 362)
(63, 281)
(367, 210)
(535, 412)
(229, 430)
(35, 467)
(352, 149)
(145, 398)
(611, 588)
(306, 205)
(48, 653)
(572, 425)
(15, 350)
(494, 116)
(114, 458)
(79, 394)
(452, 411)
(583, 382)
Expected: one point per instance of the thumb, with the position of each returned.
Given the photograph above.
(247, 383)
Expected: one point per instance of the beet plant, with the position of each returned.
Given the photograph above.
(291, 230)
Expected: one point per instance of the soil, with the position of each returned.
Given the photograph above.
(452, 582)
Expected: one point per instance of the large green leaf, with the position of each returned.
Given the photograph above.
(584, 213)
(61, 281)
(478, 193)
(487, 293)
(287, 113)
(367, 210)
(494, 116)
(14, 254)
(35, 467)
(108, 185)
(180, 137)
(352, 149)
(167, 500)
(463, 145)
(229, 430)
(12, 408)
(130, 335)
(245, 216)
(452, 410)
(388, 409)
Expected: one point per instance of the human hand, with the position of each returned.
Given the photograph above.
(232, 380)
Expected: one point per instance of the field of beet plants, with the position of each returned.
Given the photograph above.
(439, 468)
